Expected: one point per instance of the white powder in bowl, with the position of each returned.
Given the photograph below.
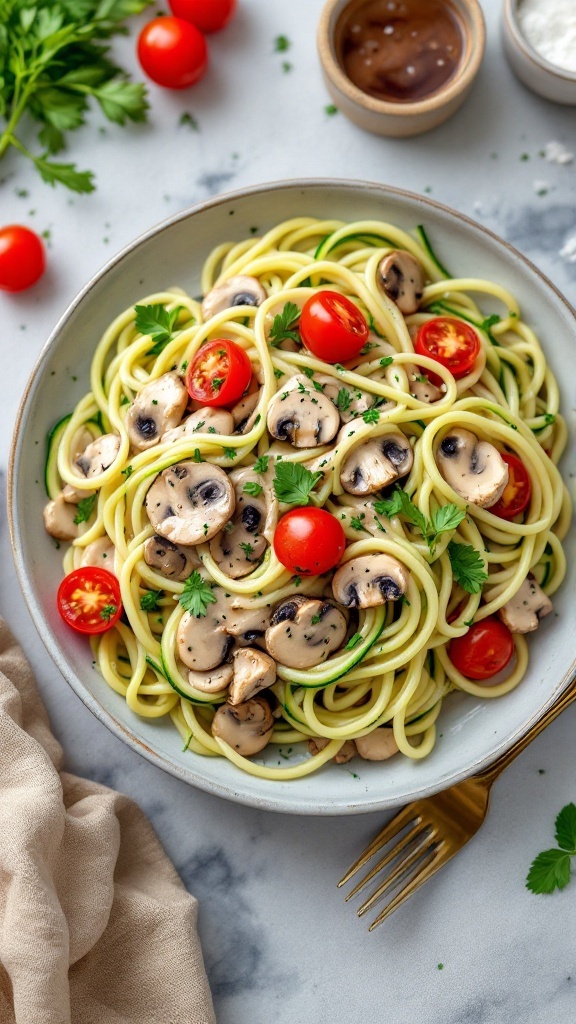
(550, 28)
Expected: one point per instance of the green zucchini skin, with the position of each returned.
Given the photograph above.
(51, 476)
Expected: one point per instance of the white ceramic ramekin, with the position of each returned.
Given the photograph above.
(529, 66)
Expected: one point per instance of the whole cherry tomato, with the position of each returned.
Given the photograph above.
(484, 650)
(172, 52)
(309, 541)
(89, 599)
(452, 343)
(517, 492)
(332, 327)
(219, 373)
(22, 259)
(207, 15)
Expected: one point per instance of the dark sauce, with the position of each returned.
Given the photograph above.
(400, 50)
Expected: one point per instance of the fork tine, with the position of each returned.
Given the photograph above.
(406, 840)
(399, 821)
(434, 862)
(427, 843)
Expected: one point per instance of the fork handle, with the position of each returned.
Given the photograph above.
(565, 699)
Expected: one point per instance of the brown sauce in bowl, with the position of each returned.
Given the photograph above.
(400, 50)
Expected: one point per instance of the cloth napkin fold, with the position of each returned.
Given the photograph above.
(95, 925)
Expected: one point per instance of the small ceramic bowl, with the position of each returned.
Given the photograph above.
(544, 78)
(402, 118)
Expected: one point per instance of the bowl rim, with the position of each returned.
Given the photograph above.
(526, 48)
(475, 28)
(118, 728)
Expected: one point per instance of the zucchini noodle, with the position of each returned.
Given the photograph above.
(392, 670)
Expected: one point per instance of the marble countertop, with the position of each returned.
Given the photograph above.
(474, 946)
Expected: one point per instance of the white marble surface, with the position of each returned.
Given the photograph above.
(279, 942)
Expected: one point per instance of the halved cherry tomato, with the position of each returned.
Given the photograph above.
(517, 492)
(172, 52)
(219, 373)
(452, 343)
(89, 599)
(484, 650)
(309, 541)
(22, 260)
(332, 327)
(207, 15)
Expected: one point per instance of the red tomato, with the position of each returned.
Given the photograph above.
(207, 15)
(219, 373)
(22, 259)
(89, 600)
(452, 343)
(484, 650)
(332, 327)
(517, 491)
(172, 52)
(309, 541)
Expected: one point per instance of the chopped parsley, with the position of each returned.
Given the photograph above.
(284, 325)
(386, 361)
(149, 600)
(108, 611)
(197, 595)
(252, 488)
(85, 509)
(371, 415)
(248, 550)
(261, 464)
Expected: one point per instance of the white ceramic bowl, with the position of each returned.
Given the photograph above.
(472, 732)
(537, 73)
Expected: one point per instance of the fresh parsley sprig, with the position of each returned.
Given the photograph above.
(442, 520)
(284, 325)
(53, 61)
(550, 870)
(158, 322)
(293, 483)
(197, 595)
(467, 567)
(149, 600)
(85, 509)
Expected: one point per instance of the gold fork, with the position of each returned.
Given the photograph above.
(430, 832)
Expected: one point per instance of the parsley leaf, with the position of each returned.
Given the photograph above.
(443, 519)
(281, 44)
(108, 611)
(551, 869)
(156, 321)
(386, 361)
(85, 509)
(197, 595)
(284, 324)
(343, 399)
(252, 488)
(293, 483)
(371, 415)
(149, 600)
(261, 464)
(247, 549)
(467, 567)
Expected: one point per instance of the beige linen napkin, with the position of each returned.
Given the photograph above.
(95, 925)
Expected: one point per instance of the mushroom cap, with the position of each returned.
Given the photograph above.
(100, 552)
(401, 277)
(239, 547)
(245, 727)
(204, 420)
(59, 518)
(424, 391)
(158, 407)
(377, 463)
(369, 580)
(253, 671)
(96, 458)
(522, 613)
(244, 412)
(346, 753)
(474, 469)
(240, 290)
(377, 745)
(300, 414)
(350, 401)
(201, 643)
(212, 681)
(304, 631)
(172, 560)
(190, 502)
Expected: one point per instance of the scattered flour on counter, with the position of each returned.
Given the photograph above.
(568, 250)
(550, 27)
(556, 153)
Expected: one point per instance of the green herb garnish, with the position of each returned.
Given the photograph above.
(252, 488)
(261, 464)
(158, 322)
(293, 483)
(284, 325)
(85, 509)
(149, 600)
(551, 869)
(197, 595)
(467, 567)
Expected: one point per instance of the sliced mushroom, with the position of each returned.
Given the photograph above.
(240, 290)
(350, 402)
(253, 671)
(244, 413)
(523, 612)
(301, 415)
(474, 469)
(190, 502)
(424, 391)
(401, 278)
(239, 547)
(369, 581)
(59, 518)
(101, 553)
(378, 745)
(201, 641)
(96, 458)
(374, 464)
(158, 407)
(172, 560)
(304, 631)
(202, 421)
(346, 753)
(212, 681)
(244, 727)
